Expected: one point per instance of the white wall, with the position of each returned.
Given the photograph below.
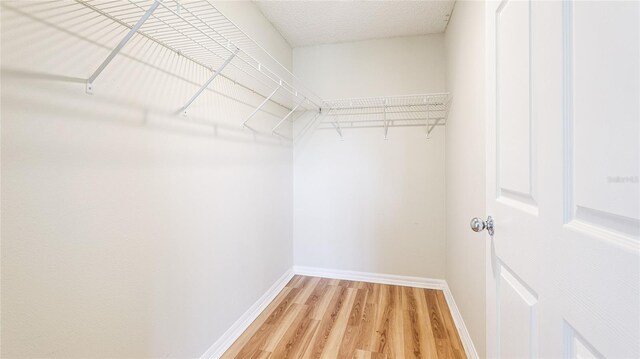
(366, 204)
(248, 17)
(128, 231)
(465, 165)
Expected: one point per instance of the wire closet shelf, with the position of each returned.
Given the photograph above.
(425, 110)
(197, 30)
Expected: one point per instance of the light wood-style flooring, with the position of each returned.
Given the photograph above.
(328, 318)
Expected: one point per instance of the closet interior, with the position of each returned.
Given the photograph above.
(185, 164)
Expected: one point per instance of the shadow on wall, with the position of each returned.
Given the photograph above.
(147, 80)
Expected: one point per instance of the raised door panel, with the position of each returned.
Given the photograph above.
(517, 317)
(513, 105)
(603, 109)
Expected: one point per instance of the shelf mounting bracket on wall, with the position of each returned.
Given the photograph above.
(432, 127)
(446, 114)
(386, 123)
(244, 124)
(336, 125)
(206, 84)
(273, 130)
(307, 126)
(427, 114)
(120, 45)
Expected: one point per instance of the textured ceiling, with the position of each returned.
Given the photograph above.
(305, 23)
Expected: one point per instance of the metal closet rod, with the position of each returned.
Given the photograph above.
(136, 29)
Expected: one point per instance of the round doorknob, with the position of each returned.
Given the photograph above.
(478, 224)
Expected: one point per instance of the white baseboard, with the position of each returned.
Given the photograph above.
(418, 282)
(391, 279)
(465, 337)
(233, 333)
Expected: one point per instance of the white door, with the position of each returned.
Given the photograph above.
(563, 268)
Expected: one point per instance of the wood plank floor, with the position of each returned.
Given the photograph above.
(328, 318)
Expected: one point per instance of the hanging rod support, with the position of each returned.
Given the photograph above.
(273, 130)
(244, 124)
(206, 84)
(122, 43)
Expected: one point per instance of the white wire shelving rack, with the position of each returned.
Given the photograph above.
(424, 110)
(197, 30)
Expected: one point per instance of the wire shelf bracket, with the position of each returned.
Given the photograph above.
(436, 123)
(306, 128)
(206, 84)
(244, 124)
(427, 116)
(386, 123)
(120, 45)
(336, 125)
(273, 130)
(437, 120)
